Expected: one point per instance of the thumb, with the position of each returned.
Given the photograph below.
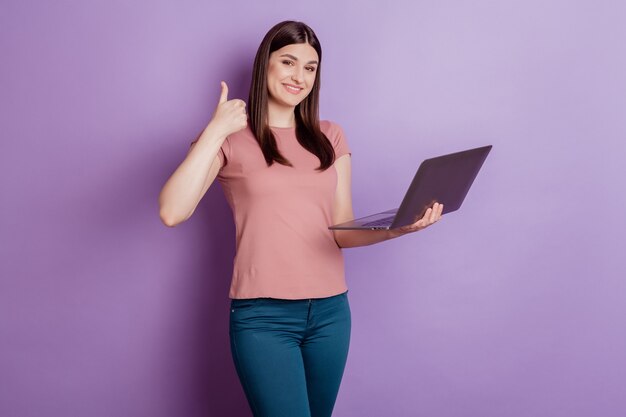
(224, 94)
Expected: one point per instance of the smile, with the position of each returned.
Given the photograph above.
(292, 89)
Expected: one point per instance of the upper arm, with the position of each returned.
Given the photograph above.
(342, 206)
(213, 170)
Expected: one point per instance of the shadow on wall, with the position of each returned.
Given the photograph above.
(214, 389)
(214, 386)
(207, 384)
(210, 383)
(194, 374)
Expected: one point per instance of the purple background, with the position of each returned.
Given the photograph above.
(512, 306)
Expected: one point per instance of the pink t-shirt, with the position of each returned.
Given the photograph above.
(284, 248)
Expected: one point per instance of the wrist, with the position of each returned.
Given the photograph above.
(214, 131)
(393, 233)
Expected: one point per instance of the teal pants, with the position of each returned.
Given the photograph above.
(290, 354)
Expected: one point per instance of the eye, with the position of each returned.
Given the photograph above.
(312, 69)
(287, 62)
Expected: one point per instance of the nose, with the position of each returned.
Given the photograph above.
(298, 75)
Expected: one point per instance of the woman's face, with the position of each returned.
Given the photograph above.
(291, 74)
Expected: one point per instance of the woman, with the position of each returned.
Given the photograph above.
(286, 176)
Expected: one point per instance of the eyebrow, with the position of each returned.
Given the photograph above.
(295, 59)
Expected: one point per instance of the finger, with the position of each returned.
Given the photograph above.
(440, 212)
(434, 213)
(427, 215)
(420, 223)
(224, 94)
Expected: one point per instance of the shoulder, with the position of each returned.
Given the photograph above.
(335, 134)
(245, 133)
(330, 127)
(239, 144)
(243, 138)
(333, 131)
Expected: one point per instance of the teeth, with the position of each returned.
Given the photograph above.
(293, 88)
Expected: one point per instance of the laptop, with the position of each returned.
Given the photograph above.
(445, 179)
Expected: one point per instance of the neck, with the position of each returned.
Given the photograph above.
(280, 116)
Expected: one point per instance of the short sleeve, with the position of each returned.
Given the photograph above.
(224, 152)
(338, 140)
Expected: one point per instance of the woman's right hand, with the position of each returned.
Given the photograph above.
(229, 115)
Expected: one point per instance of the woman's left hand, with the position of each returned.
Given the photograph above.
(431, 216)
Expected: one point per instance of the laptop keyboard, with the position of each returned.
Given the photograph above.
(381, 222)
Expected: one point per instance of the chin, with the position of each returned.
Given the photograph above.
(299, 99)
(290, 101)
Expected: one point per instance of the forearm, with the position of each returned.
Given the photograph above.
(355, 238)
(184, 189)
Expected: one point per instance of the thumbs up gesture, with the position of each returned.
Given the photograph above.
(230, 115)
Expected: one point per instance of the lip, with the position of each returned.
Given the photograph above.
(293, 86)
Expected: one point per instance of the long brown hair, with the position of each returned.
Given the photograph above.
(308, 130)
